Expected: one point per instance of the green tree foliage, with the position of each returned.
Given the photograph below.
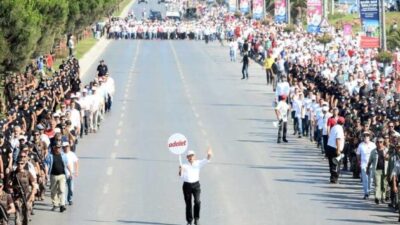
(28, 28)
(393, 39)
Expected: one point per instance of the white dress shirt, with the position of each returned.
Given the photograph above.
(191, 172)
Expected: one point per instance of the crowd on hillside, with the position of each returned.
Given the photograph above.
(48, 111)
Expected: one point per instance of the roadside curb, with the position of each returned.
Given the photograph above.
(93, 55)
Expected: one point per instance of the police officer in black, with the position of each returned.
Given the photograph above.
(102, 69)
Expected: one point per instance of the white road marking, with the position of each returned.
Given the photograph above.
(204, 132)
(116, 143)
(199, 123)
(122, 115)
(113, 155)
(123, 108)
(109, 171)
(126, 95)
(193, 108)
(120, 123)
(119, 131)
(197, 115)
(105, 189)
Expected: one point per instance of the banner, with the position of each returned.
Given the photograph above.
(244, 6)
(369, 15)
(280, 11)
(232, 6)
(258, 9)
(314, 15)
(347, 29)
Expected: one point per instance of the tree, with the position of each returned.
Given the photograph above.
(54, 15)
(393, 39)
(20, 23)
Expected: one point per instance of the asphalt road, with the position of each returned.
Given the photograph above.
(128, 176)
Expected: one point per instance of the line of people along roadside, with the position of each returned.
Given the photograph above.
(338, 96)
(49, 111)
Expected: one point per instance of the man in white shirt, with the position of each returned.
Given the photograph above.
(334, 149)
(281, 111)
(298, 106)
(363, 153)
(73, 164)
(190, 174)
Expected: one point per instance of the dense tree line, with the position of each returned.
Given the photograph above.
(29, 28)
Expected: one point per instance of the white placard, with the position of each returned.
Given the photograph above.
(177, 143)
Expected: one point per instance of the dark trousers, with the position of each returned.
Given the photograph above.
(324, 143)
(189, 190)
(245, 71)
(282, 130)
(333, 168)
(306, 125)
(269, 76)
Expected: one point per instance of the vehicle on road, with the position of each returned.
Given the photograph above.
(173, 12)
(143, 1)
(155, 15)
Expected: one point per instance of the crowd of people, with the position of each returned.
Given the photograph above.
(338, 96)
(208, 27)
(49, 111)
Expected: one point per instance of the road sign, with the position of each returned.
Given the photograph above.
(177, 143)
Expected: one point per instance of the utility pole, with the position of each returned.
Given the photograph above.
(383, 25)
(325, 8)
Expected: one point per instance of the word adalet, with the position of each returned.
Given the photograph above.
(177, 144)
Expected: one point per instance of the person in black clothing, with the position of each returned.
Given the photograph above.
(102, 69)
(245, 47)
(27, 113)
(6, 157)
(245, 66)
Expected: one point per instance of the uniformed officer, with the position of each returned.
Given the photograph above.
(7, 205)
(190, 174)
(24, 189)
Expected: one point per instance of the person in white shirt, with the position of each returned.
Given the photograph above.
(334, 148)
(326, 115)
(363, 153)
(190, 174)
(74, 165)
(283, 87)
(298, 106)
(282, 111)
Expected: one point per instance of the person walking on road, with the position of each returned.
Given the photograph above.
(377, 167)
(269, 61)
(245, 66)
(334, 149)
(57, 167)
(281, 111)
(363, 154)
(74, 165)
(190, 174)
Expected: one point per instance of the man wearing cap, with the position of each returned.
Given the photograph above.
(364, 150)
(102, 69)
(24, 186)
(281, 111)
(334, 149)
(57, 167)
(377, 167)
(190, 174)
